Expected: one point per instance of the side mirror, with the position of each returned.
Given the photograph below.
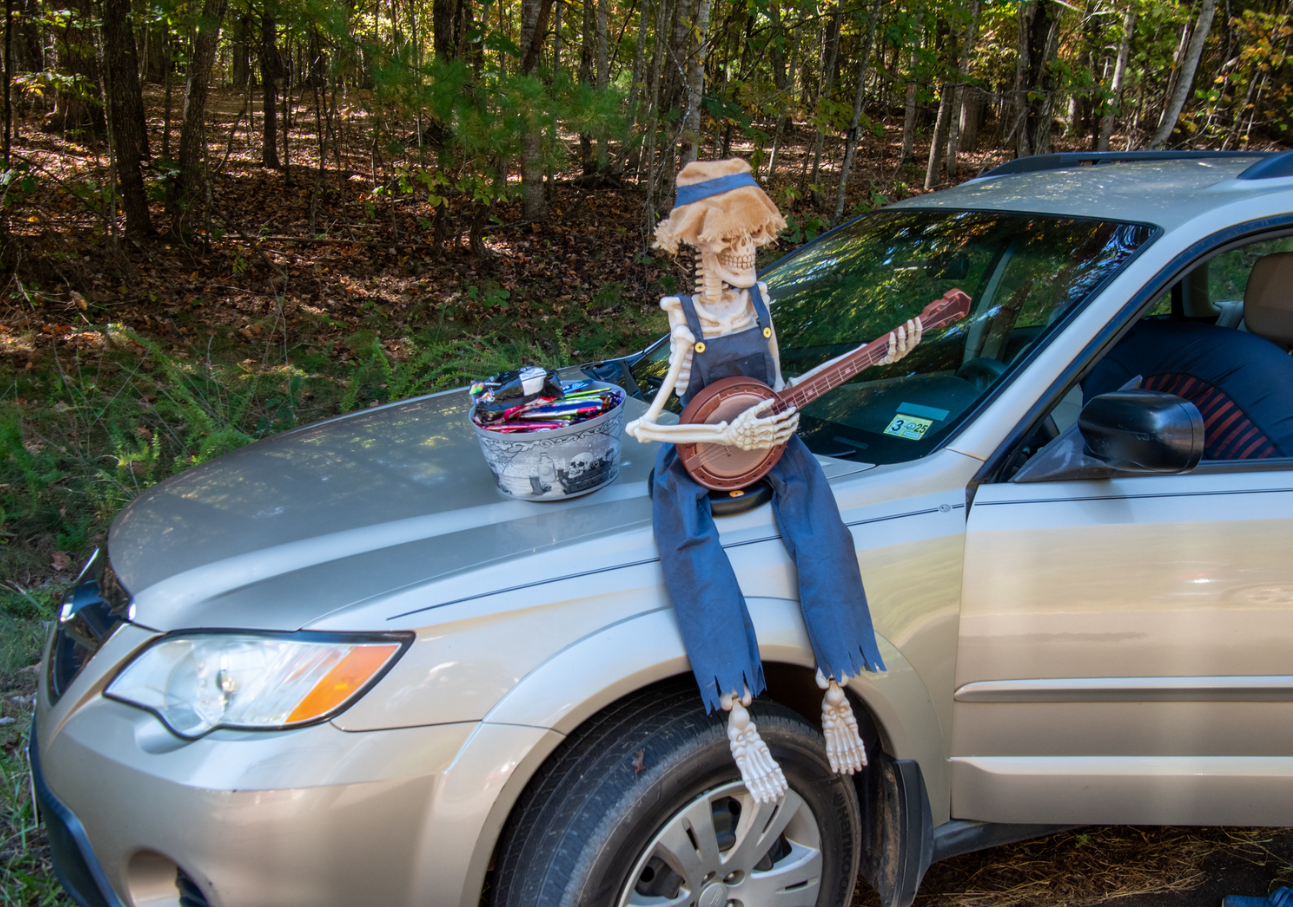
(1128, 431)
(1143, 431)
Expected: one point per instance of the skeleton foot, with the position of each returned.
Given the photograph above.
(759, 771)
(844, 747)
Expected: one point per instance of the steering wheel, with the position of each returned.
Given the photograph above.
(981, 372)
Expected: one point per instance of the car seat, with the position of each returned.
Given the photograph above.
(1268, 299)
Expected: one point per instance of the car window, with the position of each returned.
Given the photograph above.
(1022, 272)
(1192, 342)
(1228, 272)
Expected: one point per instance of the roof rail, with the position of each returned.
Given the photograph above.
(1275, 165)
(1037, 162)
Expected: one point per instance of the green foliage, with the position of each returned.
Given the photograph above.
(17, 184)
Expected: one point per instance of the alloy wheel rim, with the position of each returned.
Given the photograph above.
(725, 850)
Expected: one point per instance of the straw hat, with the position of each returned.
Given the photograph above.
(744, 210)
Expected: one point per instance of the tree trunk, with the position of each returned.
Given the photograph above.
(828, 83)
(125, 112)
(851, 142)
(535, 205)
(586, 43)
(909, 113)
(639, 52)
(287, 113)
(240, 49)
(650, 136)
(1119, 73)
(603, 58)
(184, 195)
(695, 83)
(1172, 111)
(1035, 81)
(971, 118)
(556, 74)
(74, 43)
(271, 68)
(777, 58)
(8, 81)
(935, 164)
(170, 82)
(442, 23)
(958, 101)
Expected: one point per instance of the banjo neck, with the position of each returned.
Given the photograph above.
(952, 305)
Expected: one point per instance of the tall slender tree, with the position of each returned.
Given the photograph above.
(271, 69)
(695, 82)
(125, 112)
(1185, 81)
(1035, 78)
(851, 142)
(1114, 104)
(187, 191)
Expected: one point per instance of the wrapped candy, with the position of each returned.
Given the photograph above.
(534, 399)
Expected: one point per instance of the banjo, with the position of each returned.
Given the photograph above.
(723, 468)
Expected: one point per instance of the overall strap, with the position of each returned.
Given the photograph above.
(693, 320)
(760, 307)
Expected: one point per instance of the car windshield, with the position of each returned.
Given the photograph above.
(1023, 272)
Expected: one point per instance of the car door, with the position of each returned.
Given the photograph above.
(1126, 644)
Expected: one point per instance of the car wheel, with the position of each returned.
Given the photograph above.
(644, 806)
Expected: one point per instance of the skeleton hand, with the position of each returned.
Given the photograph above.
(762, 776)
(752, 431)
(902, 341)
(637, 424)
(844, 748)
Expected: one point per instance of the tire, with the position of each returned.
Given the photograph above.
(608, 821)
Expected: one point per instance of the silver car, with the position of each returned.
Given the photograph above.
(339, 667)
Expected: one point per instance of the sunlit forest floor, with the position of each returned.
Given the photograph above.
(123, 361)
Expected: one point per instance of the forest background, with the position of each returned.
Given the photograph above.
(225, 218)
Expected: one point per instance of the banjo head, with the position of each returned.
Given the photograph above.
(717, 466)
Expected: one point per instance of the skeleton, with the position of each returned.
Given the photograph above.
(725, 278)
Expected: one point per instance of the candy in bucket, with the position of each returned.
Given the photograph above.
(549, 440)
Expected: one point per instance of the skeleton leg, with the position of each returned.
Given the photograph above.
(844, 747)
(759, 771)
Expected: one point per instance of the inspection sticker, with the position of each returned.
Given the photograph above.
(912, 428)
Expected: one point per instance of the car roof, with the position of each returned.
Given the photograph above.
(1162, 192)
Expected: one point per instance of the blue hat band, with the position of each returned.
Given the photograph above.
(717, 186)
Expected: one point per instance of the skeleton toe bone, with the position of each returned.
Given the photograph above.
(844, 748)
(760, 772)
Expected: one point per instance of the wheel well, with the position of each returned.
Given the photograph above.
(795, 687)
(791, 685)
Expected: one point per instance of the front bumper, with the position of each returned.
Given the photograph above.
(75, 865)
(316, 816)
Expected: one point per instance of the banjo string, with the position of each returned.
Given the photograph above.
(708, 451)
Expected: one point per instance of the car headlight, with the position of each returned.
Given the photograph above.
(196, 682)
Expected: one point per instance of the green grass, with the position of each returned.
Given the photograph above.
(26, 874)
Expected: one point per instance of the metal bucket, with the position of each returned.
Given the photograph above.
(557, 464)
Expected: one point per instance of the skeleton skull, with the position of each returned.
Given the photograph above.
(729, 261)
(580, 464)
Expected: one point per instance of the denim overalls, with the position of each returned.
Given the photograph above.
(701, 582)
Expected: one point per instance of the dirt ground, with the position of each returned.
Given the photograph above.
(1123, 866)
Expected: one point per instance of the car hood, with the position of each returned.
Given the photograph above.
(299, 525)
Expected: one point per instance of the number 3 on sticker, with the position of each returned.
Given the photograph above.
(909, 427)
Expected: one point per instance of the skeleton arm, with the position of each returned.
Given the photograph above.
(901, 342)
